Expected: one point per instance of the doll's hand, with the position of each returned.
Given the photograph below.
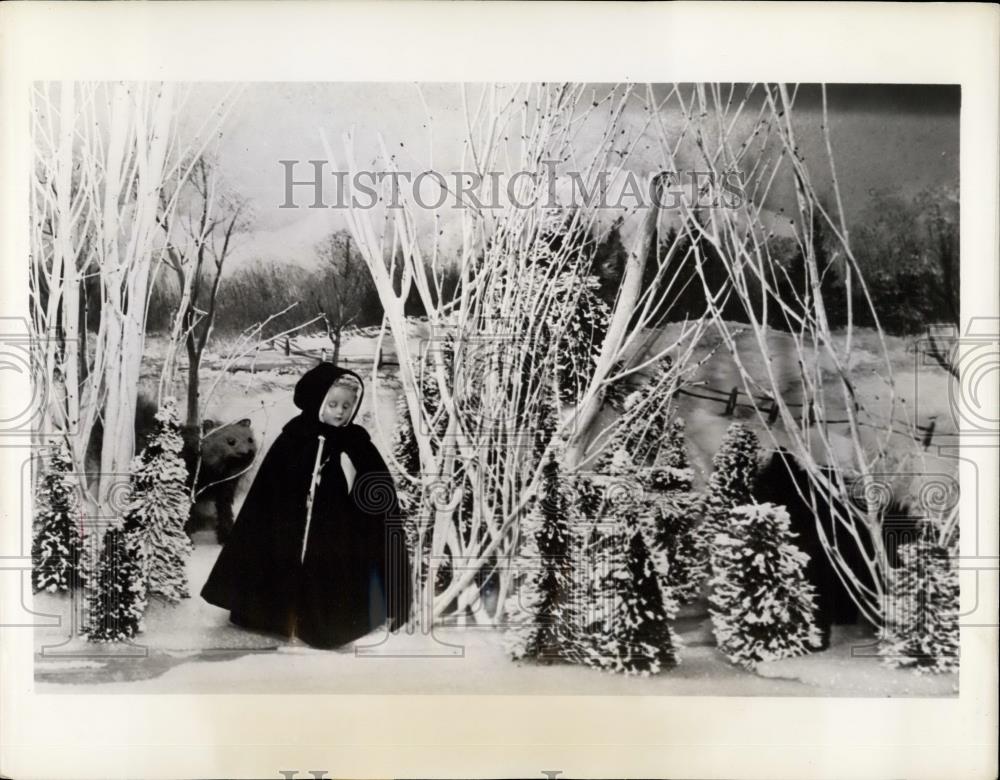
(349, 470)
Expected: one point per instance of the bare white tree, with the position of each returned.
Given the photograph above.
(502, 356)
(492, 378)
(102, 154)
(832, 415)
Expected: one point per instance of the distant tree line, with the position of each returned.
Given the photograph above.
(337, 285)
(908, 250)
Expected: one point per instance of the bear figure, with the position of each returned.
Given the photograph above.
(226, 454)
(227, 451)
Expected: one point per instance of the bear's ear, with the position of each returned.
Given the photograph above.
(207, 425)
(245, 422)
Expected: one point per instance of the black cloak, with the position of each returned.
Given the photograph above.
(355, 573)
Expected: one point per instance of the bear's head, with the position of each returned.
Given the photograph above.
(227, 449)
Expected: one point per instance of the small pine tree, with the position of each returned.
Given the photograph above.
(671, 470)
(541, 611)
(630, 628)
(673, 453)
(580, 338)
(733, 473)
(546, 421)
(575, 317)
(57, 547)
(404, 450)
(678, 549)
(923, 632)
(762, 606)
(586, 497)
(117, 600)
(588, 585)
(90, 558)
(621, 463)
(158, 507)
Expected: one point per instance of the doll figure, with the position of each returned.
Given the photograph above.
(315, 551)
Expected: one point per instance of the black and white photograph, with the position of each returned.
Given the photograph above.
(425, 389)
(576, 388)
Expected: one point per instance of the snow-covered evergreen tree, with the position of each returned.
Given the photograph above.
(546, 421)
(734, 468)
(671, 469)
(922, 630)
(585, 492)
(57, 546)
(673, 452)
(92, 542)
(581, 335)
(575, 318)
(410, 495)
(117, 600)
(678, 549)
(588, 585)
(762, 606)
(629, 615)
(541, 615)
(404, 450)
(621, 464)
(158, 507)
(586, 496)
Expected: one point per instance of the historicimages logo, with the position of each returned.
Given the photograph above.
(21, 358)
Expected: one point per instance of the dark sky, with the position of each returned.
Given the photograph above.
(916, 99)
(898, 137)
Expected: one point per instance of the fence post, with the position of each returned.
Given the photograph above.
(288, 346)
(929, 433)
(731, 403)
(772, 413)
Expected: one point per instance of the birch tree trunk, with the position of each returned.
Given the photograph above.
(625, 306)
(103, 152)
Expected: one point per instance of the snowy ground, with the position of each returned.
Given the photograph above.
(192, 648)
(908, 388)
(920, 391)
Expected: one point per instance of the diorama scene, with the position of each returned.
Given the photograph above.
(495, 388)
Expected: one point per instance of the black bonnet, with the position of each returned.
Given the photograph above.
(311, 389)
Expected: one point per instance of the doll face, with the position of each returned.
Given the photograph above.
(337, 406)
